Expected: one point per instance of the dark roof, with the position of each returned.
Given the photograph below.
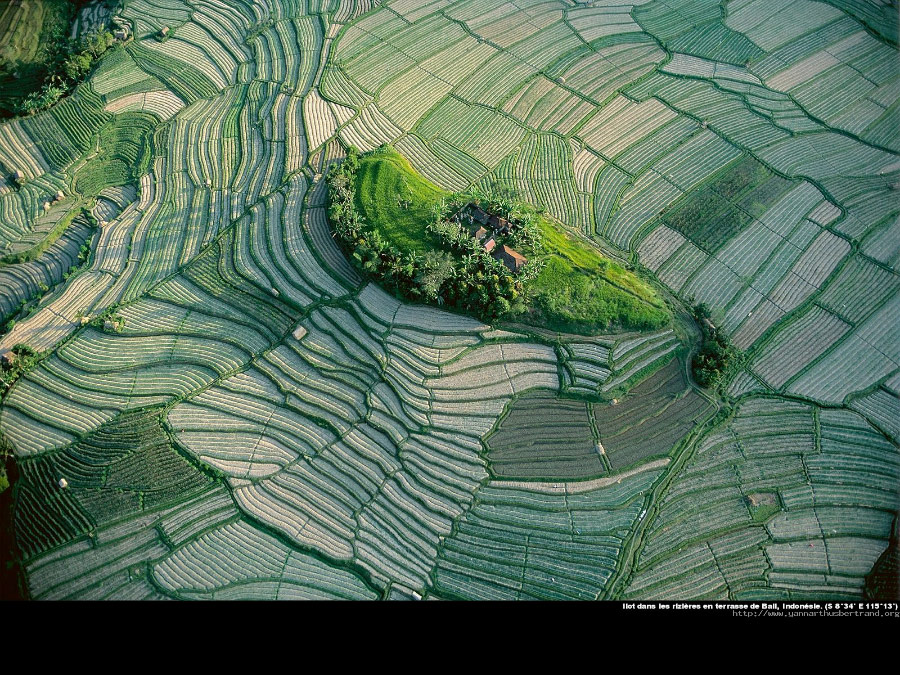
(480, 215)
(498, 223)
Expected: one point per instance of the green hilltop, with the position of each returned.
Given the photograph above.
(402, 237)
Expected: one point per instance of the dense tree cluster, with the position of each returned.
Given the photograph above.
(69, 66)
(524, 235)
(18, 361)
(716, 355)
(60, 63)
(458, 273)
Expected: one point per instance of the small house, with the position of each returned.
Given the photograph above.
(479, 233)
(499, 224)
(164, 31)
(19, 176)
(480, 215)
(121, 34)
(489, 245)
(514, 260)
(60, 195)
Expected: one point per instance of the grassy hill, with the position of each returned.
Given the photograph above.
(578, 290)
(397, 200)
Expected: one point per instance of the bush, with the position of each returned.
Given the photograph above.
(24, 359)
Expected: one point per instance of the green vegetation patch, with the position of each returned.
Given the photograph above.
(718, 357)
(189, 84)
(397, 227)
(727, 204)
(126, 466)
(45, 515)
(101, 174)
(15, 363)
(879, 17)
(126, 150)
(396, 200)
(586, 293)
(29, 33)
(39, 62)
(546, 437)
(74, 245)
(696, 28)
(12, 579)
(551, 438)
(48, 238)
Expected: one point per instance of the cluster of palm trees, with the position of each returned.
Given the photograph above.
(463, 277)
(453, 234)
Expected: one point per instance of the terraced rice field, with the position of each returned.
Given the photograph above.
(236, 414)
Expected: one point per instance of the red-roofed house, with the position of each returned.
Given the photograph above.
(511, 258)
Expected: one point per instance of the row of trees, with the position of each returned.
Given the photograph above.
(457, 273)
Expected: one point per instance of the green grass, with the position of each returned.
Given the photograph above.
(581, 291)
(382, 180)
(578, 291)
(570, 299)
(763, 512)
(585, 258)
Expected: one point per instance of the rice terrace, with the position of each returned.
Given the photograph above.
(450, 299)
